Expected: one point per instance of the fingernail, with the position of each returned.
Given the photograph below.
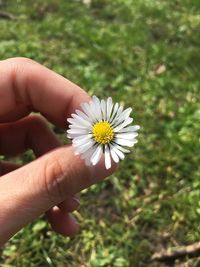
(75, 203)
(70, 204)
(73, 224)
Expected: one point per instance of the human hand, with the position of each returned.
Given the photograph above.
(49, 183)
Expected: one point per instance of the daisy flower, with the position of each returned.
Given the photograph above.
(101, 128)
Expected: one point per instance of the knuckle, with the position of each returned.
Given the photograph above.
(21, 61)
(19, 69)
(18, 65)
(37, 121)
(54, 175)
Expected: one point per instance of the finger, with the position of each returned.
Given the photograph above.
(60, 219)
(6, 167)
(43, 184)
(31, 132)
(26, 85)
(70, 204)
(62, 222)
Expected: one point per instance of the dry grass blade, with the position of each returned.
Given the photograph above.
(5, 15)
(177, 252)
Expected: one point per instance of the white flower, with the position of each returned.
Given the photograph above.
(101, 128)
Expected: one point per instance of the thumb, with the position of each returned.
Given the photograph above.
(33, 189)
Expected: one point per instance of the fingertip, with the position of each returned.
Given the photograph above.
(62, 222)
(72, 227)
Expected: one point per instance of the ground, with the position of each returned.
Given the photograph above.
(145, 54)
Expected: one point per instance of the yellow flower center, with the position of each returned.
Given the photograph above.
(103, 132)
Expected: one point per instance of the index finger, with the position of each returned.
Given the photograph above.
(27, 86)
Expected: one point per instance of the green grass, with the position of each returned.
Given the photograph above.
(144, 53)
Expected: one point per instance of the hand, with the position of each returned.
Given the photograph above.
(49, 183)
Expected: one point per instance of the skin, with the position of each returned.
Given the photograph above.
(50, 183)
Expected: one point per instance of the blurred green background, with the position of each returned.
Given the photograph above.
(145, 54)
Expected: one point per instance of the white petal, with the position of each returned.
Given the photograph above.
(95, 98)
(72, 136)
(103, 109)
(86, 108)
(77, 141)
(124, 142)
(87, 153)
(97, 105)
(82, 128)
(130, 129)
(96, 155)
(107, 158)
(125, 123)
(122, 117)
(119, 111)
(118, 152)
(125, 114)
(109, 105)
(81, 120)
(114, 155)
(70, 120)
(82, 138)
(124, 150)
(116, 106)
(77, 131)
(92, 108)
(83, 116)
(128, 136)
(78, 126)
(83, 148)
